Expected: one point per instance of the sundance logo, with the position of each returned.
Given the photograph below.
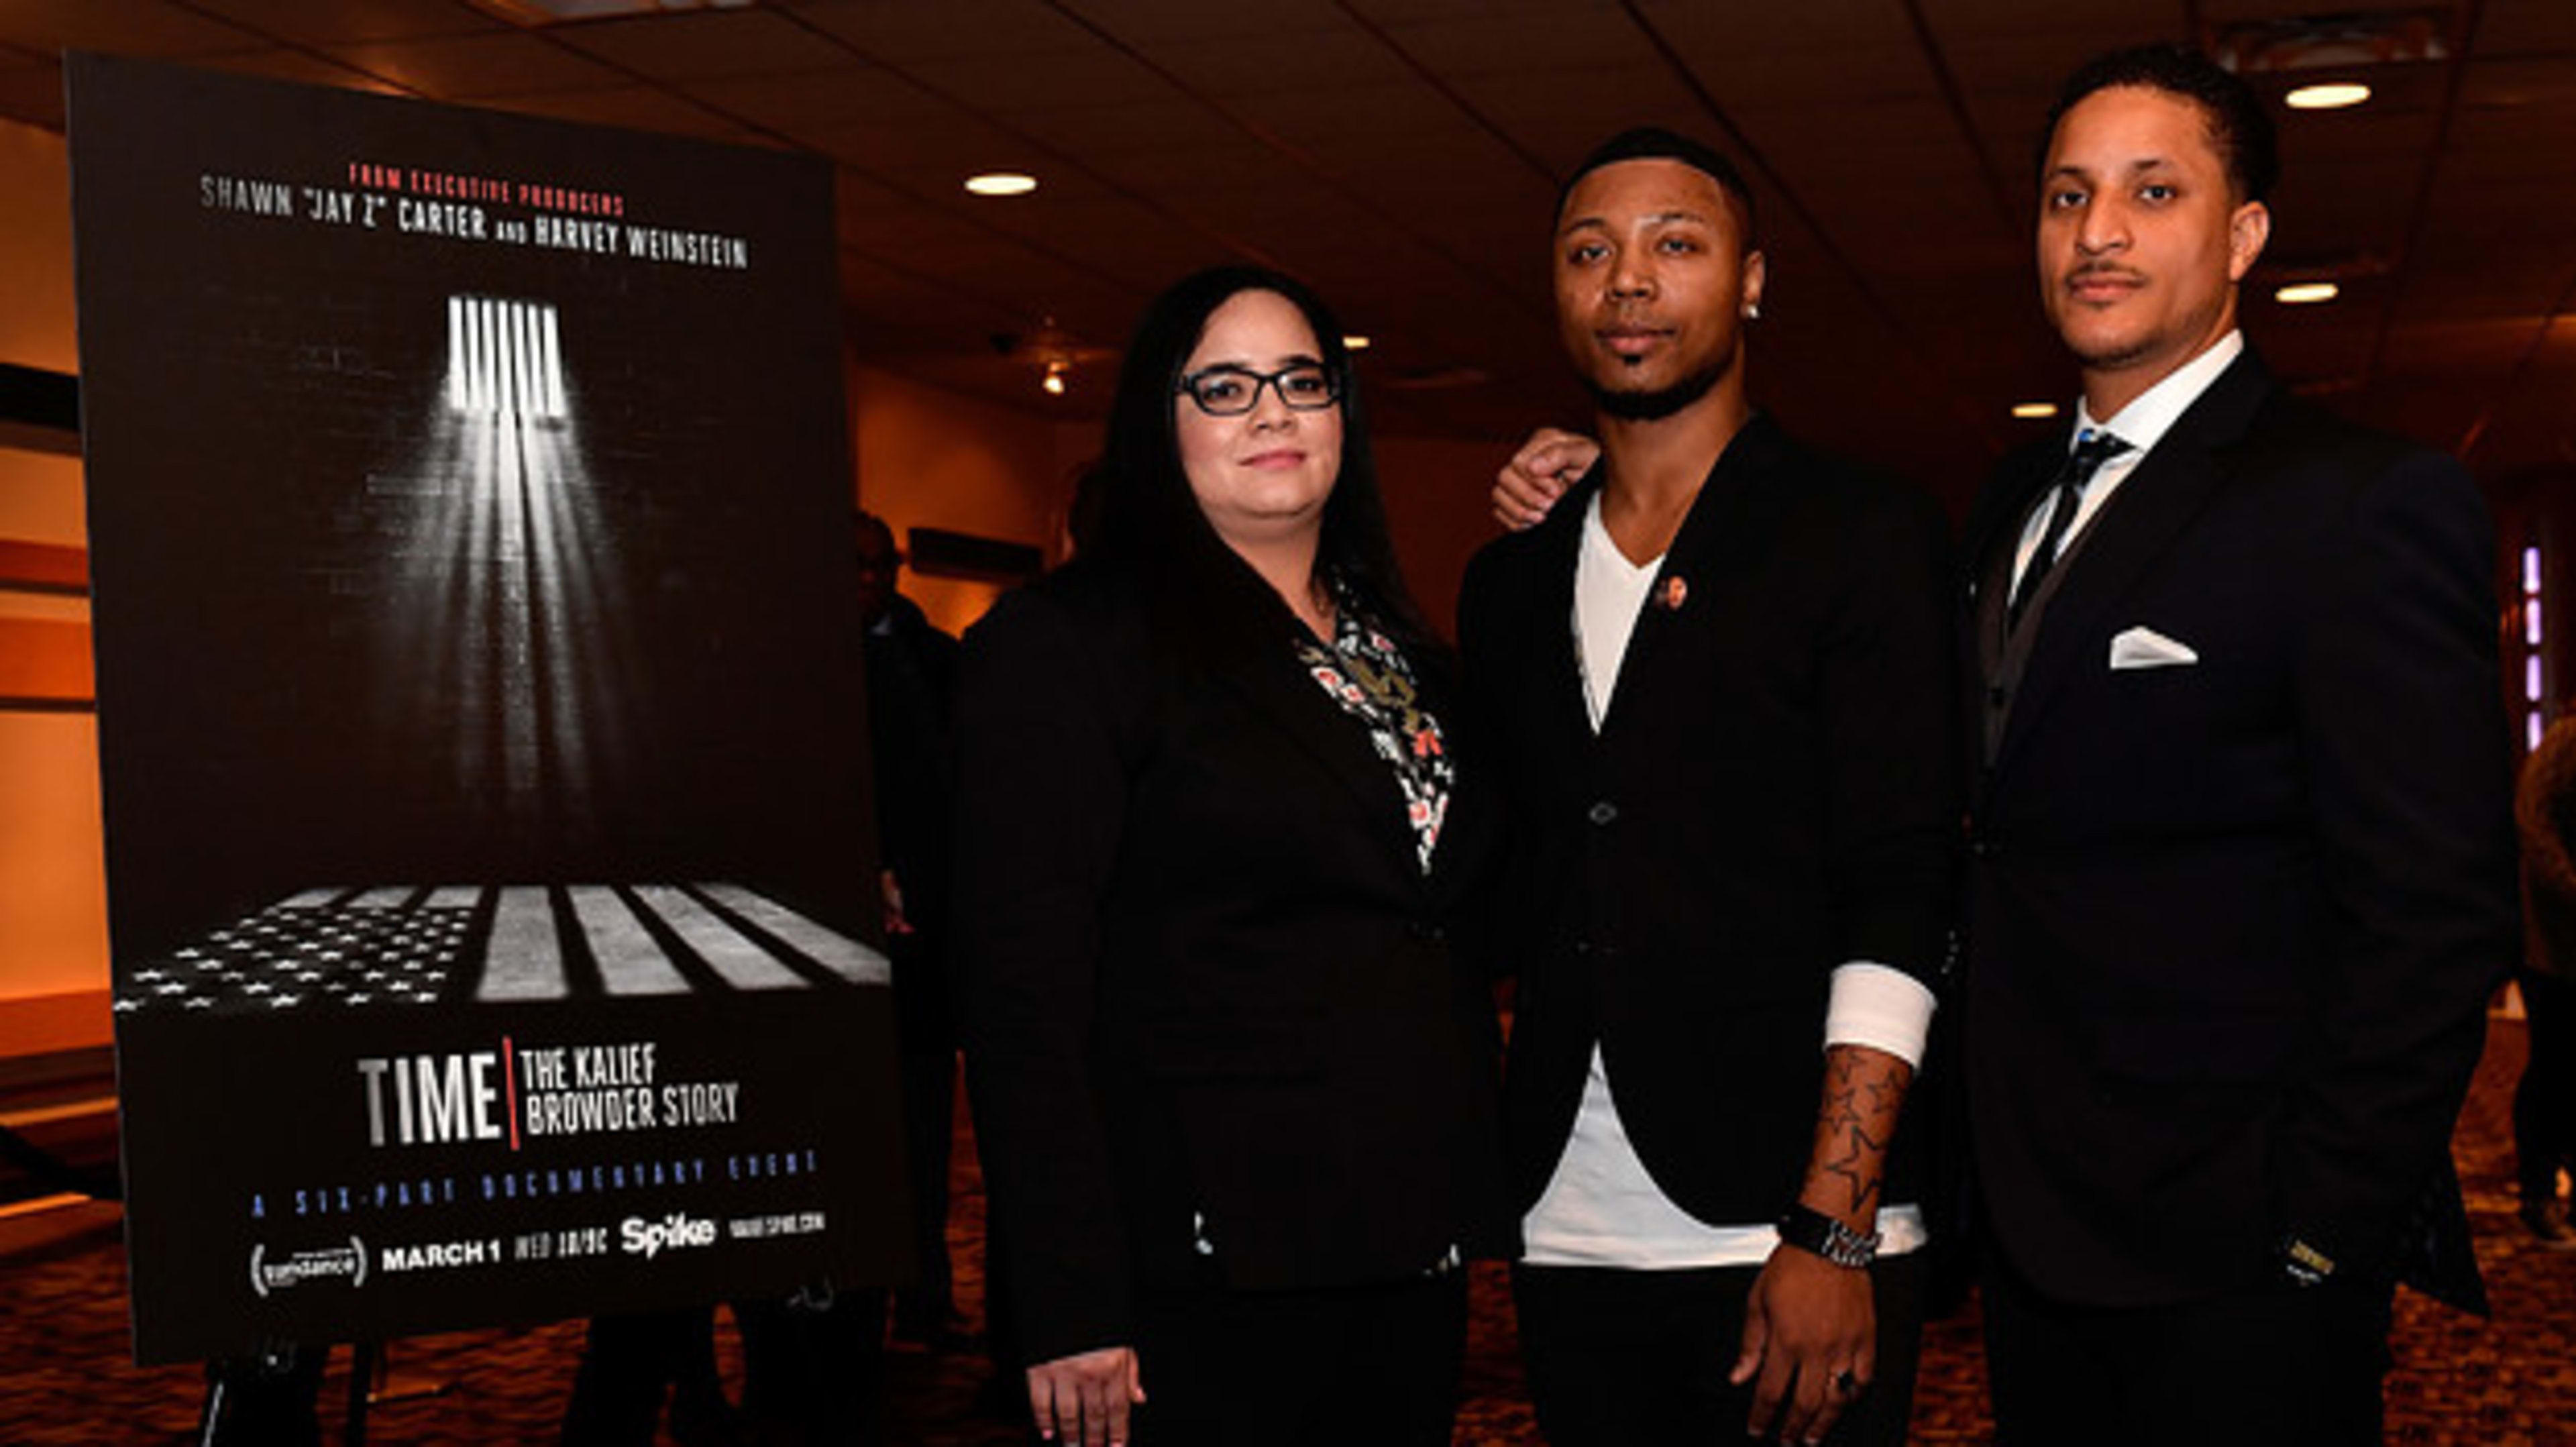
(648, 1239)
(329, 1263)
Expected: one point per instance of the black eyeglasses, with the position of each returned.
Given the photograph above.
(1227, 390)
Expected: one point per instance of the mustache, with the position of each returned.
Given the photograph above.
(2102, 270)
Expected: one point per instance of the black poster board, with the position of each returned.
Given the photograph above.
(491, 883)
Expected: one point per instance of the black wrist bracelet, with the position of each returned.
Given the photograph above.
(1811, 1230)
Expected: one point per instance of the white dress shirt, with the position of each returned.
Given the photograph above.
(2141, 424)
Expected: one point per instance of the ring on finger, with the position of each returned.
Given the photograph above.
(1847, 1382)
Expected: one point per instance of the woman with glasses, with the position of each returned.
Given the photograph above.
(1233, 1080)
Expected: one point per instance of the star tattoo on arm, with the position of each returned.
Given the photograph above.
(1864, 1094)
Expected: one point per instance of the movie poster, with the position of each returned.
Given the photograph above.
(491, 885)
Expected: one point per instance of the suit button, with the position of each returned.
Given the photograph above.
(1986, 847)
(1602, 812)
(1429, 933)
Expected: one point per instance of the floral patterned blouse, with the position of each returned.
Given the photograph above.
(1369, 677)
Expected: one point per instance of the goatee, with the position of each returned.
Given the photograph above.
(1662, 402)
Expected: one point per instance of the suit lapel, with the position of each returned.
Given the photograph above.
(1549, 621)
(1995, 521)
(1275, 683)
(2152, 507)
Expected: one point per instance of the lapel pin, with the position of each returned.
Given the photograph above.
(1669, 597)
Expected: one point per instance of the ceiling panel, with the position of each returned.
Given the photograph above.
(1814, 52)
(295, 65)
(2527, 27)
(706, 43)
(902, 33)
(1121, 237)
(305, 21)
(2219, 12)
(1352, 123)
(1534, 42)
(120, 27)
(1998, 64)
(2153, 19)
(1164, 22)
(1562, 120)
(814, 103)
(641, 108)
(468, 66)
(1325, 63)
(1099, 133)
(1091, 76)
(1397, 12)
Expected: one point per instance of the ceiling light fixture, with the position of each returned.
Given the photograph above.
(2343, 42)
(1002, 183)
(1053, 382)
(1355, 343)
(2307, 293)
(2327, 96)
(2034, 411)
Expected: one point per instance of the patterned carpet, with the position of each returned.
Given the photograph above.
(2506, 1382)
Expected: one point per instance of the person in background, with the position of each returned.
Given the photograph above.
(1219, 819)
(2544, 1102)
(912, 682)
(1719, 685)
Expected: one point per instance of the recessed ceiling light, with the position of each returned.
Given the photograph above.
(2033, 411)
(1355, 343)
(2327, 96)
(1053, 382)
(1002, 183)
(2305, 293)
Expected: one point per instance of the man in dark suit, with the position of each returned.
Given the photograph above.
(2241, 867)
(1719, 685)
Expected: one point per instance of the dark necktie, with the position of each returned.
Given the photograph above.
(2091, 451)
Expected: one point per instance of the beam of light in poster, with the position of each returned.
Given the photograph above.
(491, 884)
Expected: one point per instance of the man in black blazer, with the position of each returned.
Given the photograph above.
(1718, 685)
(2241, 868)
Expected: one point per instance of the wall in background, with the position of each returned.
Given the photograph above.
(53, 903)
(932, 458)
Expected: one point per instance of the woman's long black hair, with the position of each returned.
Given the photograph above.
(1151, 526)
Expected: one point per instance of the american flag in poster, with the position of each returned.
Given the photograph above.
(362, 947)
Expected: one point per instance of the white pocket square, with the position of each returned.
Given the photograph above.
(2146, 648)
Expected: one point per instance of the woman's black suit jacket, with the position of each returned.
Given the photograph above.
(1211, 995)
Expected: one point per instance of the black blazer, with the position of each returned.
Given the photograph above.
(1774, 792)
(1211, 993)
(2232, 924)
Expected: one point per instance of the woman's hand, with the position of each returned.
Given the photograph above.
(1539, 474)
(1086, 1397)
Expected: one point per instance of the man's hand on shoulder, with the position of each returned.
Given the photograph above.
(1538, 474)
